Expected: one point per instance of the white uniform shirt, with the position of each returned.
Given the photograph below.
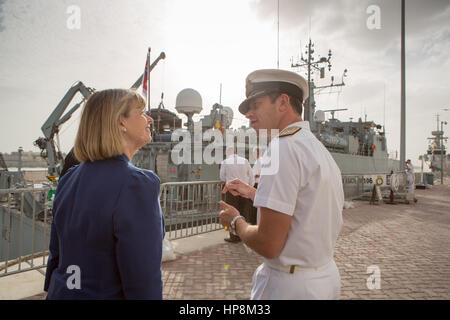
(308, 187)
(410, 169)
(236, 167)
(410, 173)
(257, 170)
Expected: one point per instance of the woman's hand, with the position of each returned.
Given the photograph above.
(238, 188)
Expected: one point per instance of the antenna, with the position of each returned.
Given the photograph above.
(313, 65)
(332, 111)
(278, 37)
(301, 49)
(310, 27)
(384, 109)
(220, 94)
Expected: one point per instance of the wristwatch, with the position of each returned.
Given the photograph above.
(233, 224)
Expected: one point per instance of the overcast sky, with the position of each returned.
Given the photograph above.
(212, 42)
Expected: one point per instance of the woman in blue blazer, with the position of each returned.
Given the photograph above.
(107, 229)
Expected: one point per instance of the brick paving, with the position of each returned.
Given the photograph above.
(409, 244)
(220, 272)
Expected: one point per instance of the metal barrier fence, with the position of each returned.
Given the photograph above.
(356, 185)
(190, 208)
(25, 216)
(353, 185)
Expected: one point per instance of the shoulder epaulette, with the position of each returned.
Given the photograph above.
(289, 131)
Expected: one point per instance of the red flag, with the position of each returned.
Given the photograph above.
(145, 77)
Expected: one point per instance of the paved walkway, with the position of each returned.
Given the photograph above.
(408, 244)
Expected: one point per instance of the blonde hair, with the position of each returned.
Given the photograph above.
(99, 136)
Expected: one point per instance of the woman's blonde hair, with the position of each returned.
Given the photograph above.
(99, 135)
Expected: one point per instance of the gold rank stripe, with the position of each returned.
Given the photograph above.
(289, 131)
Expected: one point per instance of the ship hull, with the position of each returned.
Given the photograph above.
(364, 165)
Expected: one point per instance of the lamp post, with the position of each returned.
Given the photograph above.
(403, 91)
(442, 150)
(442, 146)
(19, 167)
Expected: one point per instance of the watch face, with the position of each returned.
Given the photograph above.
(232, 228)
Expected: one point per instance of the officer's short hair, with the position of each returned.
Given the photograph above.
(296, 102)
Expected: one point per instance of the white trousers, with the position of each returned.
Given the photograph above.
(411, 187)
(271, 284)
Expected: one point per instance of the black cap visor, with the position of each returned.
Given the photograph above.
(264, 88)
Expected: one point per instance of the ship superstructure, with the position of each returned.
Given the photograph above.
(358, 147)
(436, 156)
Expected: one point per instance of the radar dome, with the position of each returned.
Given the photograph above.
(228, 112)
(188, 101)
(319, 116)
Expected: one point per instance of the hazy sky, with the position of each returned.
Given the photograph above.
(211, 42)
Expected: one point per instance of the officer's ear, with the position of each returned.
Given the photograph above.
(284, 102)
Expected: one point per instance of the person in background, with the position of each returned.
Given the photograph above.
(236, 167)
(69, 162)
(410, 177)
(107, 229)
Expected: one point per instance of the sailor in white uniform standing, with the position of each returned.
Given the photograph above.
(410, 177)
(299, 197)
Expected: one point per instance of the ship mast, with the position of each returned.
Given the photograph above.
(311, 65)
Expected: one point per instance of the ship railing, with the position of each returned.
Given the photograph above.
(190, 208)
(25, 218)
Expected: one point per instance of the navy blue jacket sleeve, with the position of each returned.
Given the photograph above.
(53, 258)
(139, 234)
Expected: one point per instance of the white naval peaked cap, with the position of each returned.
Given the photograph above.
(260, 82)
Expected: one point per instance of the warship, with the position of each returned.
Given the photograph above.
(436, 158)
(359, 148)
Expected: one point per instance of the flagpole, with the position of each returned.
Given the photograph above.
(402, 92)
(148, 79)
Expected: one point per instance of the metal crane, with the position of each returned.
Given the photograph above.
(52, 125)
(51, 128)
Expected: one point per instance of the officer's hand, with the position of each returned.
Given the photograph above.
(227, 214)
(239, 188)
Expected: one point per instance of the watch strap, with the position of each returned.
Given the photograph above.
(233, 224)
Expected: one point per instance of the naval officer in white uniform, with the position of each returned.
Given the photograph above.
(299, 197)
